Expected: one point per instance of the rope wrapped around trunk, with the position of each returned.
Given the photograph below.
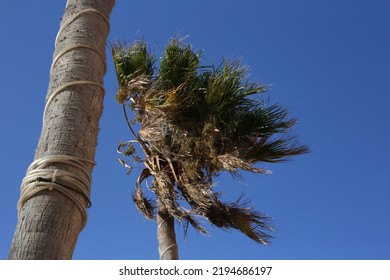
(39, 178)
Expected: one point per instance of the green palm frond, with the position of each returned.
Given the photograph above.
(277, 150)
(261, 120)
(133, 66)
(179, 65)
(227, 90)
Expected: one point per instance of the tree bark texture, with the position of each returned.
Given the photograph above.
(49, 223)
(167, 245)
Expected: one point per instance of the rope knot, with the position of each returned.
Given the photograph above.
(53, 179)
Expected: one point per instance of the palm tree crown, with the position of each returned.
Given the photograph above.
(197, 122)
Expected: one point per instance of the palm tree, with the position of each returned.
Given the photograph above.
(55, 191)
(196, 122)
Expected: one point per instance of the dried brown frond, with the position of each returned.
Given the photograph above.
(232, 163)
(144, 205)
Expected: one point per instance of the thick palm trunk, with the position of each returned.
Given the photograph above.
(49, 221)
(167, 245)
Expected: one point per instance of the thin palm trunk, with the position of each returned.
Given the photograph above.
(167, 245)
(49, 221)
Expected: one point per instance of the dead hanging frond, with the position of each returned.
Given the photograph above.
(196, 122)
(124, 164)
(145, 205)
(239, 215)
(232, 164)
(128, 150)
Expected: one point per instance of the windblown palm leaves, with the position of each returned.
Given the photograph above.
(197, 122)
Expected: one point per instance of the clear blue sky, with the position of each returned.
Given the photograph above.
(328, 61)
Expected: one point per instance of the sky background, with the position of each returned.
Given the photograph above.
(328, 61)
